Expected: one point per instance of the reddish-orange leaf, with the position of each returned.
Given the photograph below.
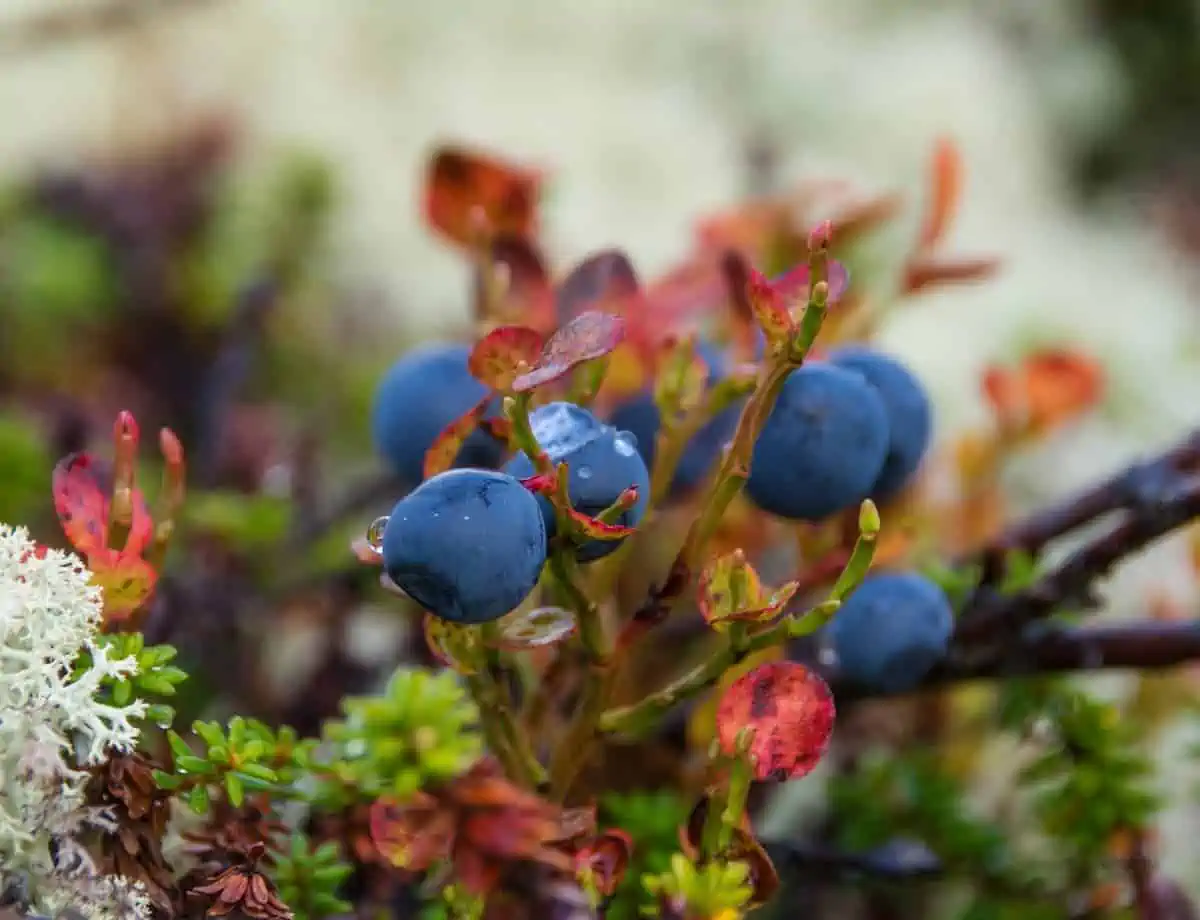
(770, 310)
(528, 294)
(606, 858)
(1002, 390)
(736, 271)
(791, 712)
(542, 484)
(590, 335)
(923, 273)
(731, 590)
(412, 836)
(127, 582)
(504, 354)
(597, 529)
(856, 220)
(605, 280)
(944, 193)
(442, 452)
(81, 502)
(693, 289)
(1060, 384)
(468, 193)
(751, 229)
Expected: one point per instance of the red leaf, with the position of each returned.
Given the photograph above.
(922, 273)
(127, 582)
(504, 354)
(597, 529)
(791, 712)
(946, 188)
(770, 309)
(528, 294)
(590, 335)
(793, 284)
(606, 858)
(81, 503)
(542, 484)
(469, 194)
(441, 453)
(731, 590)
(605, 279)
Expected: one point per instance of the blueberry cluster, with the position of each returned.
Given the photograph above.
(470, 544)
(854, 426)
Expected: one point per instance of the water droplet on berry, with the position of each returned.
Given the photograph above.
(375, 533)
(584, 472)
(626, 444)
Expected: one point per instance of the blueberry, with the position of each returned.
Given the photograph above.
(910, 419)
(468, 545)
(822, 447)
(419, 396)
(640, 416)
(892, 630)
(602, 463)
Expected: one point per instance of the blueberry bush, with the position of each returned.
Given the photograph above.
(662, 554)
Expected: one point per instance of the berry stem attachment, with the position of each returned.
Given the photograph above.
(503, 735)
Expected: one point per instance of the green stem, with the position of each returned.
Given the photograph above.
(645, 714)
(574, 747)
(510, 745)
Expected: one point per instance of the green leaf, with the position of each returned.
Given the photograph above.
(234, 789)
(259, 771)
(122, 693)
(210, 732)
(179, 747)
(198, 800)
(157, 684)
(190, 763)
(167, 780)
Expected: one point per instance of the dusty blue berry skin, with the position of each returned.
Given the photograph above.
(892, 631)
(602, 461)
(822, 447)
(422, 393)
(468, 545)
(640, 416)
(910, 418)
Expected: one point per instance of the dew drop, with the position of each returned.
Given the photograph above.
(625, 444)
(584, 472)
(375, 533)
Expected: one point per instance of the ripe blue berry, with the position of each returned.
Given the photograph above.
(910, 419)
(468, 545)
(422, 393)
(640, 416)
(822, 447)
(602, 463)
(891, 631)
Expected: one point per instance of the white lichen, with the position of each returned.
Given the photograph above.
(53, 726)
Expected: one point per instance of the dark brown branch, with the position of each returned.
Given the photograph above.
(1129, 489)
(991, 616)
(1051, 649)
